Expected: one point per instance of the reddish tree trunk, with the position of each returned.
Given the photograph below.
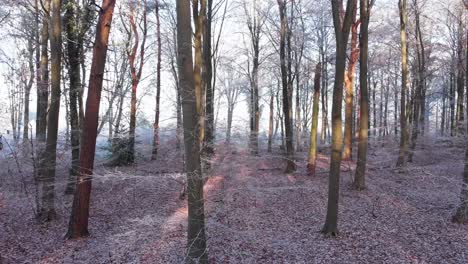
(78, 226)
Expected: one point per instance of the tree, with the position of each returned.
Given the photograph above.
(43, 96)
(135, 71)
(28, 83)
(73, 56)
(461, 215)
(48, 193)
(78, 225)
(196, 242)
(404, 84)
(158, 84)
(255, 24)
(342, 27)
(286, 82)
(349, 83)
(359, 179)
(418, 97)
(207, 80)
(313, 132)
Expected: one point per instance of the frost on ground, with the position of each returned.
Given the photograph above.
(255, 213)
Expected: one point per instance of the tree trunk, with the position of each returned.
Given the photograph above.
(158, 86)
(313, 132)
(48, 193)
(359, 182)
(229, 124)
(342, 29)
(196, 242)
(461, 216)
(420, 87)
(349, 82)
(74, 74)
(270, 123)
(27, 92)
(444, 99)
(207, 80)
(43, 98)
(452, 104)
(136, 76)
(286, 87)
(78, 225)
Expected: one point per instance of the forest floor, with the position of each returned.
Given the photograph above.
(255, 213)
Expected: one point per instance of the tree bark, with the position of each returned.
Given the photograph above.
(196, 239)
(158, 85)
(70, 21)
(418, 101)
(48, 193)
(27, 91)
(286, 87)
(136, 76)
(342, 29)
(359, 182)
(313, 132)
(349, 83)
(270, 123)
(461, 215)
(78, 225)
(207, 80)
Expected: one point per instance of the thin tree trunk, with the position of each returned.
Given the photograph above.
(27, 91)
(48, 192)
(207, 80)
(313, 132)
(286, 87)
(158, 86)
(78, 225)
(419, 93)
(136, 77)
(74, 90)
(43, 98)
(349, 82)
(270, 125)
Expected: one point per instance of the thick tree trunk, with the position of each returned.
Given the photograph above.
(199, 19)
(189, 84)
(342, 29)
(313, 132)
(359, 182)
(78, 225)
